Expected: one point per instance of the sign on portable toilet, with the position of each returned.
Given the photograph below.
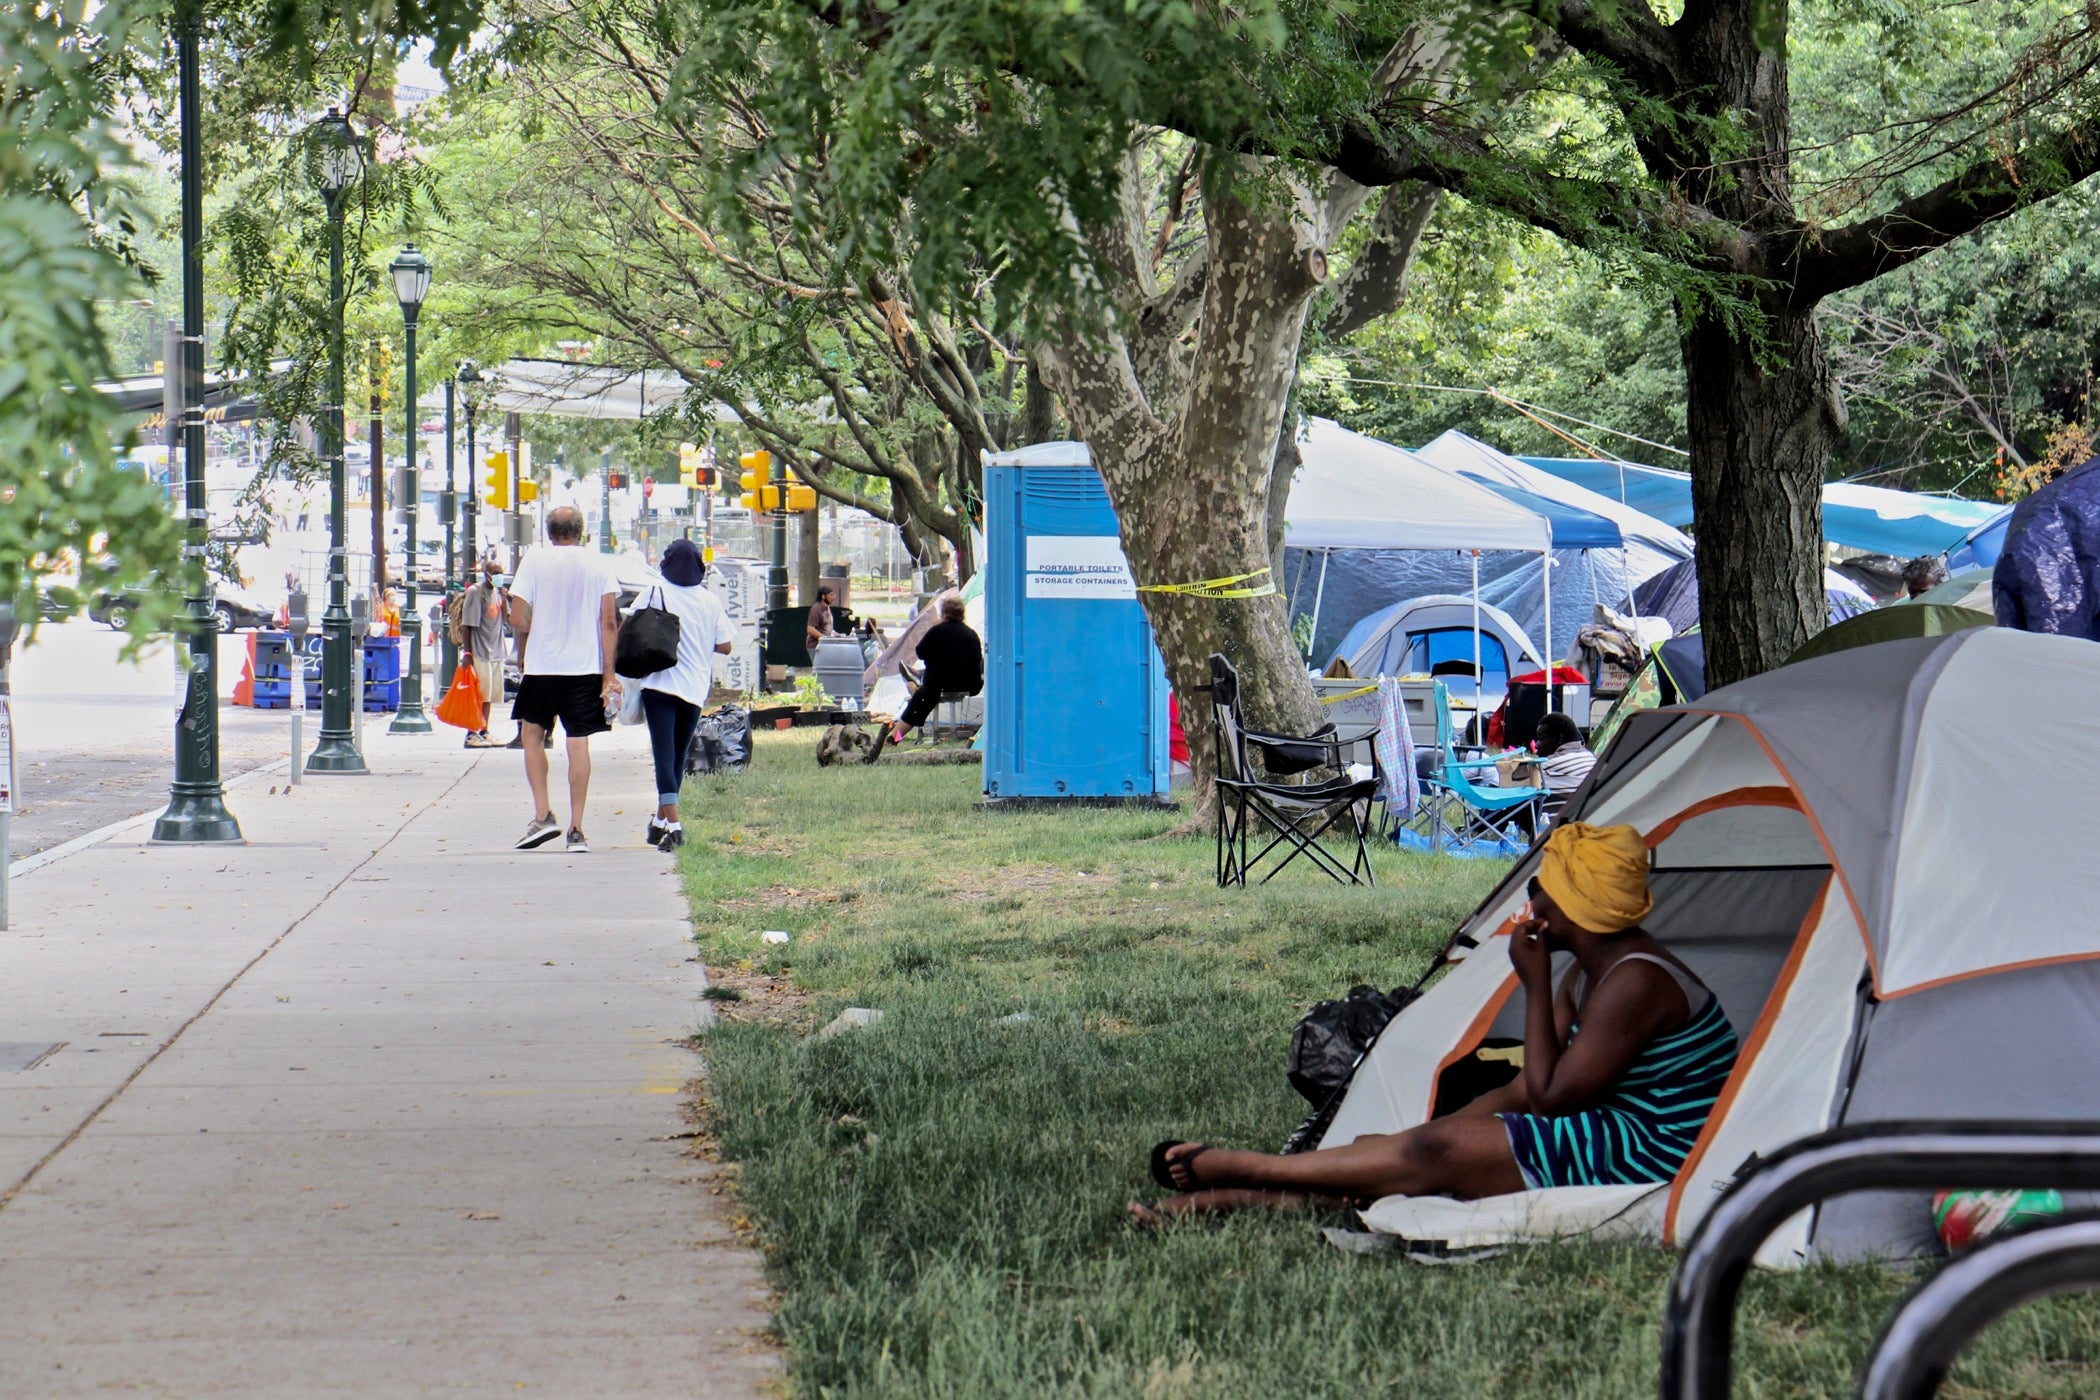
(1075, 690)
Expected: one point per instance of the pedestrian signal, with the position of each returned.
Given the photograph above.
(528, 491)
(495, 490)
(801, 498)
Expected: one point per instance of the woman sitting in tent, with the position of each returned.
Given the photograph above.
(1622, 1064)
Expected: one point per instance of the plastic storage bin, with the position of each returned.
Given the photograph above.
(1075, 690)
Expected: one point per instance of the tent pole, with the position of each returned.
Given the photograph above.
(1476, 641)
(1546, 565)
(1318, 593)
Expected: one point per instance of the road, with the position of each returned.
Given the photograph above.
(94, 734)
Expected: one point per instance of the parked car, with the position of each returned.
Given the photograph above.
(233, 609)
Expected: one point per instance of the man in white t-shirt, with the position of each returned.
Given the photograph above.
(564, 611)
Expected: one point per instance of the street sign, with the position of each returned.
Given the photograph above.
(648, 487)
(297, 689)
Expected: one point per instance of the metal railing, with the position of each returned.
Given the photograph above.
(1910, 1358)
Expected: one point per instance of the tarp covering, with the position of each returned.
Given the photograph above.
(1355, 492)
(2048, 578)
(1652, 543)
(1873, 518)
(1420, 541)
(1674, 595)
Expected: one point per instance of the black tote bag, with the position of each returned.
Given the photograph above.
(648, 641)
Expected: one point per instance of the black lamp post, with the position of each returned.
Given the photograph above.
(472, 387)
(411, 281)
(448, 512)
(338, 159)
(196, 802)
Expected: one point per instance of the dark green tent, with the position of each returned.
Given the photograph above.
(1891, 624)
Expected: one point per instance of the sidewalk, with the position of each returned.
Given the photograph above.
(373, 1105)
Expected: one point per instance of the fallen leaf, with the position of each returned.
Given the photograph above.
(481, 1215)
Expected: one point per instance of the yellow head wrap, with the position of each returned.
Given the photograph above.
(1598, 875)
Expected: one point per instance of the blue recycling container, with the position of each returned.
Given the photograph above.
(1075, 690)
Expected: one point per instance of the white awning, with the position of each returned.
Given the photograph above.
(1355, 492)
(565, 390)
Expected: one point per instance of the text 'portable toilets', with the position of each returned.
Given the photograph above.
(1075, 691)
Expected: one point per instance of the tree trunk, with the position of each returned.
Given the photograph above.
(1761, 424)
(1281, 470)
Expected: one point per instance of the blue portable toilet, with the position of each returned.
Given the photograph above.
(1075, 691)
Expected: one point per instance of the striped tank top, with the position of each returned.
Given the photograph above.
(1645, 1127)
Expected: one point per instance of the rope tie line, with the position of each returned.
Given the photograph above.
(1226, 587)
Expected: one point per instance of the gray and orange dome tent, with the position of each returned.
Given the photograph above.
(1880, 860)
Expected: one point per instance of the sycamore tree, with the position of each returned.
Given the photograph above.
(833, 363)
(1659, 138)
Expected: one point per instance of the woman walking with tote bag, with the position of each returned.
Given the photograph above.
(671, 698)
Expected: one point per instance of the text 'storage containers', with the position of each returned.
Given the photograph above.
(1075, 691)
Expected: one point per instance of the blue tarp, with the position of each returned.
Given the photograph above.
(2048, 578)
(1666, 495)
(1573, 528)
(1875, 519)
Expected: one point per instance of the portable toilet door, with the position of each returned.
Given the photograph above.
(1075, 690)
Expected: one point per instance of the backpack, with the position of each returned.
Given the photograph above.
(456, 618)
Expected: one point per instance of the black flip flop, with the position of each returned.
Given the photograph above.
(1162, 1169)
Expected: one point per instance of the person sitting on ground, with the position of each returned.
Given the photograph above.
(953, 662)
(1622, 1065)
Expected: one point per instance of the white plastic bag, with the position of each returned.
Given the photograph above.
(631, 704)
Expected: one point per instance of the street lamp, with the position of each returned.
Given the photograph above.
(472, 389)
(411, 282)
(337, 159)
(196, 801)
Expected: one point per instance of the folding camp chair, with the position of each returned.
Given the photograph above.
(1460, 815)
(1298, 814)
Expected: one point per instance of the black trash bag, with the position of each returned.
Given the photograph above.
(647, 642)
(721, 742)
(1333, 1036)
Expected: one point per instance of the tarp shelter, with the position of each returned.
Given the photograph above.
(1601, 548)
(1872, 518)
(1896, 924)
(2048, 578)
(1674, 596)
(1369, 524)
(1970, 588)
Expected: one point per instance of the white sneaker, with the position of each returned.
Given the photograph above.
(538, 832)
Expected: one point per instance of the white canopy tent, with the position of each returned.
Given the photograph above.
(1355, 492)
(567, 390)
(1648, 546)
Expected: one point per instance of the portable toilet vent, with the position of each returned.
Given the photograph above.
(1075, 691)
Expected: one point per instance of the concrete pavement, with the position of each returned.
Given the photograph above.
(372, 1105)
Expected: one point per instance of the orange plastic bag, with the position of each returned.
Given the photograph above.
(461, 706)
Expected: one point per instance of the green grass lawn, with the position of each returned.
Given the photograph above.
(941, 1196)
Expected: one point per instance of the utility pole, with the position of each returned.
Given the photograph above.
(777, 581)
(448, 507)
(605, 538)
(513, 430)
(376, 378)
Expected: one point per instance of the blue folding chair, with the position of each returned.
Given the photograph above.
(1462, 817)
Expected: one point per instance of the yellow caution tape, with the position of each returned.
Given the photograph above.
(1356, 694)
(1215, 587)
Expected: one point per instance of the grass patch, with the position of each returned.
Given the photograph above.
(940, 1197)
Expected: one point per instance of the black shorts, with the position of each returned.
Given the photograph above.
(577, 701)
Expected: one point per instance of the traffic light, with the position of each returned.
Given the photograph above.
(688, 464)
(495, 492)
(759, 495)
